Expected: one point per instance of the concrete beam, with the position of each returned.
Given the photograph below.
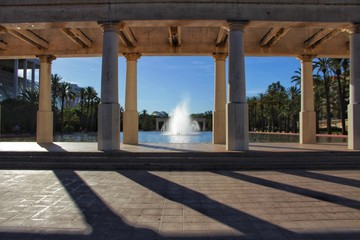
(2, 30)
(30, 37)
(175, 36)
(78, 37)
(254, 10)
(3, 45)
(127, 37)
(222, 37)
(320, 37)
(273, 36)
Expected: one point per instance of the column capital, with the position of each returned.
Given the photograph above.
(236, 25)
(220, 56)
(132, 56)
(110, 26)
(306, 57)
(46, 58)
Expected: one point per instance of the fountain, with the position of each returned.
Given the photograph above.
(180, 122)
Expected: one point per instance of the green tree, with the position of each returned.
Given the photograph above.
(28, 108)
(323, 65)
(294, 109)
(92, 101)
(66, 94)
(70, 119)
(297, 78)
(55, 89)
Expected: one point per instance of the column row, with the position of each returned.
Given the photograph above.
(230, 124)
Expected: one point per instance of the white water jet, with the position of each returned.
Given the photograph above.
(180, 121)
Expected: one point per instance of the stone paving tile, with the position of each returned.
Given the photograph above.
(291, 205)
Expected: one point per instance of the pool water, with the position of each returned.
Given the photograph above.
(160, 137)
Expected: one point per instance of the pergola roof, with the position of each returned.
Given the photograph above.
(67, 28)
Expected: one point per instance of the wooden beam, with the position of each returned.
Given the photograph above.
(175, 36)
(320, 37)
(221, 38)
(78, 37)
(30, 37)
(273, 36)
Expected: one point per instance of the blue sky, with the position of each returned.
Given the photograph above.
(164, 81)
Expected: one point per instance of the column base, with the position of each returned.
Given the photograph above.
(109, 126)
(353, 126)
(237, 127)
(307, 127)
(219, 127)
(131, 127)
(44, 127)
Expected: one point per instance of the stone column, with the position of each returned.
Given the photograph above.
(25, 67)
(307, 114)
(219, 117)
(16, 78)
(33, 77)
(354, 101)
(109, 107)
(44, 129)
(237, 127)
(131, 117)
(157, 125)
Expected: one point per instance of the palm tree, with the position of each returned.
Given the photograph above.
(294, 109)
(29, 107)
(261, 110)
(55, 88)
(318, 96)
(70, 119)
(276, 95)
(90, 98)
(297, 78)
(66, 94)
(324, 65)
(336, 65)
(82, 104)
(252, 103)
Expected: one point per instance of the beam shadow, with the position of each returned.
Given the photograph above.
(324, 177)
(346, 202)
(101, 219)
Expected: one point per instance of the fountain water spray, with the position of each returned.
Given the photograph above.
(180, 122)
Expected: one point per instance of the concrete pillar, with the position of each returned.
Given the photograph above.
(307, 114)
(16, 78)
(44, 129)
(109, 107)
(219, 117)
(131, 117)
(237, 121)
(354, 101)
(25, 67)
(157, 125)
(33, 69)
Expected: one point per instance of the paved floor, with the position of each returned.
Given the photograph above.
(168, 147)
(65, 204)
